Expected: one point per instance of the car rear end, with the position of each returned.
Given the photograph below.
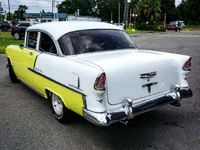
(129, 81)
(137, 82)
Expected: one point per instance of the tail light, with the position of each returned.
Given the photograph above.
(187, 65)
(99, 84)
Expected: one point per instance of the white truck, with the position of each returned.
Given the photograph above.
(178, 23)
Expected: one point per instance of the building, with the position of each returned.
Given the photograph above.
(45, 17)
(49, 17)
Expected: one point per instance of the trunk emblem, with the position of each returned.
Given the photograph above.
(148, 75)
(149, 86)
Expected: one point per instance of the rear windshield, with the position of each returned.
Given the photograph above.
(94, 40)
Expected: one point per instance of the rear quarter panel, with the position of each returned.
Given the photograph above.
(73, 79)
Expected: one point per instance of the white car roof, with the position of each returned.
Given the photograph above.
(57, 29)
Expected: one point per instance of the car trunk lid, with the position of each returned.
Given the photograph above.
(134, 74)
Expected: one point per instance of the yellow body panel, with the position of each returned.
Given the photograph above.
(71, 99)
(22, 59)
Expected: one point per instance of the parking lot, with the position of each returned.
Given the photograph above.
(26, 120)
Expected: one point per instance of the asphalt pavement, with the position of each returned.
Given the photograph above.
(26, 120)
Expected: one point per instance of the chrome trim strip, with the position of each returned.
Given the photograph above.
(38, 73)
(131, 109)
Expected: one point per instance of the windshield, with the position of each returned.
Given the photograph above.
(94, 40)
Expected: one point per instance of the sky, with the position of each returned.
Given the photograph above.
(35, 6)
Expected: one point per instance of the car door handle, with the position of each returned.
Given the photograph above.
(31, 53)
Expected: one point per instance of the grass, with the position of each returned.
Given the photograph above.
(193, 27)
(131, 31)
(9, 41)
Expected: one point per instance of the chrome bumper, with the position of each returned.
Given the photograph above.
(130, 109)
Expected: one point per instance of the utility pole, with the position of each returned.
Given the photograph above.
(165, 20)
(52, 10)
(127, 8)
(130, 18)
(124, 19)
(111, 17)
(119, 14)
(9, 8)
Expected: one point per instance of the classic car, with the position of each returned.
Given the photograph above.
(95, 70)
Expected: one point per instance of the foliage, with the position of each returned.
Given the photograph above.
(168, 7)
(9, 16)
(96, 8)
(192, 27)
(149, 12)
(19, 13)
(189, 11)
(9, 41)
(106, 8)
(86, 7)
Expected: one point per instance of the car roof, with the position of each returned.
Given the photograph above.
(57, 29)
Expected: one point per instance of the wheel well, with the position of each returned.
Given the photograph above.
(17, 32)
(48, 93)
(9, 62)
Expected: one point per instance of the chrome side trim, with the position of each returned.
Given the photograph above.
(38, 73)
(131, 109)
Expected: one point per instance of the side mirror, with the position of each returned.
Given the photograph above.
(21, 46)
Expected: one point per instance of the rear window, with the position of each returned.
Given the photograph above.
(24, 24)
(94, 40)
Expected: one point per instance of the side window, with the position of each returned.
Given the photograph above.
(47, 44)
(22, 24)
(32, 40)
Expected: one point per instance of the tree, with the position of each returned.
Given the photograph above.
(168, 7)
(108, 8)
(9, 16)
(19, 13)
(43, 11)
(149, 11)
(86, 7)
(189, 11)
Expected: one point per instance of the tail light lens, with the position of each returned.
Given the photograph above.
(99, 84)
(187, 65)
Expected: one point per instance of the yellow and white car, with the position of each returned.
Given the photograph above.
(95, 70)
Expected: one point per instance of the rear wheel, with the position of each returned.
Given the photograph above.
(5, 29)
(60, 111)
(17, 36)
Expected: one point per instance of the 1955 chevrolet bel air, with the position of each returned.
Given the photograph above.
(95, 70)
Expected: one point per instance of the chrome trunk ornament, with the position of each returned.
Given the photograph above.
(148, 75)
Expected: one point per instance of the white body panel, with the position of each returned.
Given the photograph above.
(122, 68)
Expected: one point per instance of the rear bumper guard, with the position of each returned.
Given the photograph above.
(130, 109)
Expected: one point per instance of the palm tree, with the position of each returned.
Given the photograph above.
(149, 11)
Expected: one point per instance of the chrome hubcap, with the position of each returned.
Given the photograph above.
(16, 36)
(57, 105)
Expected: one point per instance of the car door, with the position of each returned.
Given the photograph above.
(28, 57)
(48, 50)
